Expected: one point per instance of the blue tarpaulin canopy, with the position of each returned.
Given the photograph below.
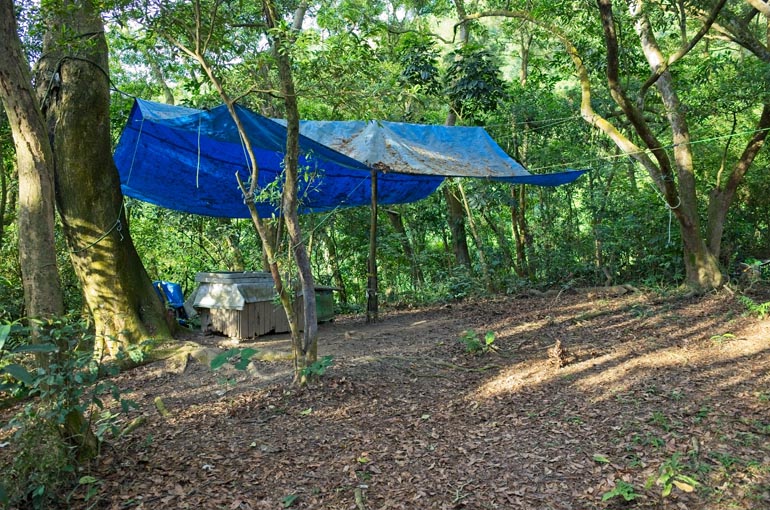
(186, 159)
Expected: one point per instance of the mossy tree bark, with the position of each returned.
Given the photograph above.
(73, 85)
(35, 163)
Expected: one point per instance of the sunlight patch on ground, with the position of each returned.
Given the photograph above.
(603, 377)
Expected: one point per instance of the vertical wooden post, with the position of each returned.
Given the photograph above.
(371, 284)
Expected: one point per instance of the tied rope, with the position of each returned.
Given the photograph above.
(117, 226)
(246, 158)
(670, 210)
(198, 165)
(136, 148)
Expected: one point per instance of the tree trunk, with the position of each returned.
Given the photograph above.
(305, 351)
(523, 238)
(502, 241)
(331, 249)
(236, 260)
(702, 268)
(457, 228)
(73, 86)
(3, 200)
(454, 206)
(477, 238)
(397, 222)
(372, 290)
(35, 164)
(722, 196)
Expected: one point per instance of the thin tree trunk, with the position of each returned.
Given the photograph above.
(308, 347)
(371, 273)
(722, 196)
(3, 201)
(477, 238)
(73, 86)
(160, 79)
(236, 260)
(502, 240)
(331, 249)
(524, 266)
(457, 228)
(454, 206)
(397, 222)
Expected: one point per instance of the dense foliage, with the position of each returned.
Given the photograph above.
(398, 61)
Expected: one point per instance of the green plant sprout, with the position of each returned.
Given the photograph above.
(671, 474)
(244, 358)
(474, 344)
(760, 310)
(622, 489)
(318, 368)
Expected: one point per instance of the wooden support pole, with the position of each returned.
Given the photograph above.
(371, 284)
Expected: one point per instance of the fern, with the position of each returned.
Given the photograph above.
(760, 310)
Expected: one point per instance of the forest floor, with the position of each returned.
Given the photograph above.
(657, 394)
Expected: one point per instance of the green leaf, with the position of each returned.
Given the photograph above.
(5, 331)
(36, 348)
(85, 480)
(246, 355)
(223, 358)
(126, 404)
(3, 495)
(19, 373)
(289, 500)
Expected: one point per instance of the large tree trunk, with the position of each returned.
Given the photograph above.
(35, 163)
(702, 268)
(73, 86)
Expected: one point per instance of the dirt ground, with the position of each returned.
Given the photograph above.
(654, 393)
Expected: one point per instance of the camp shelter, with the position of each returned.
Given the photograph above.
(186, 159)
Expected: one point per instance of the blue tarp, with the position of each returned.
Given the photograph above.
(186, 159)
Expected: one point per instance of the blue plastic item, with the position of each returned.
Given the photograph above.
(186, 159)
(171, 292)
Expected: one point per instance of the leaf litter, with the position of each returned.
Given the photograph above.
(405, 418)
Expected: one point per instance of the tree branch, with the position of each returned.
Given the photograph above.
(586, 109)
(681, 52)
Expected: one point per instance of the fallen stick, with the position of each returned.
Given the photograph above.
(161, 407)
(133, 425)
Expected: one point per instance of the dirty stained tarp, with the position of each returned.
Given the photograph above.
(186, 159)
